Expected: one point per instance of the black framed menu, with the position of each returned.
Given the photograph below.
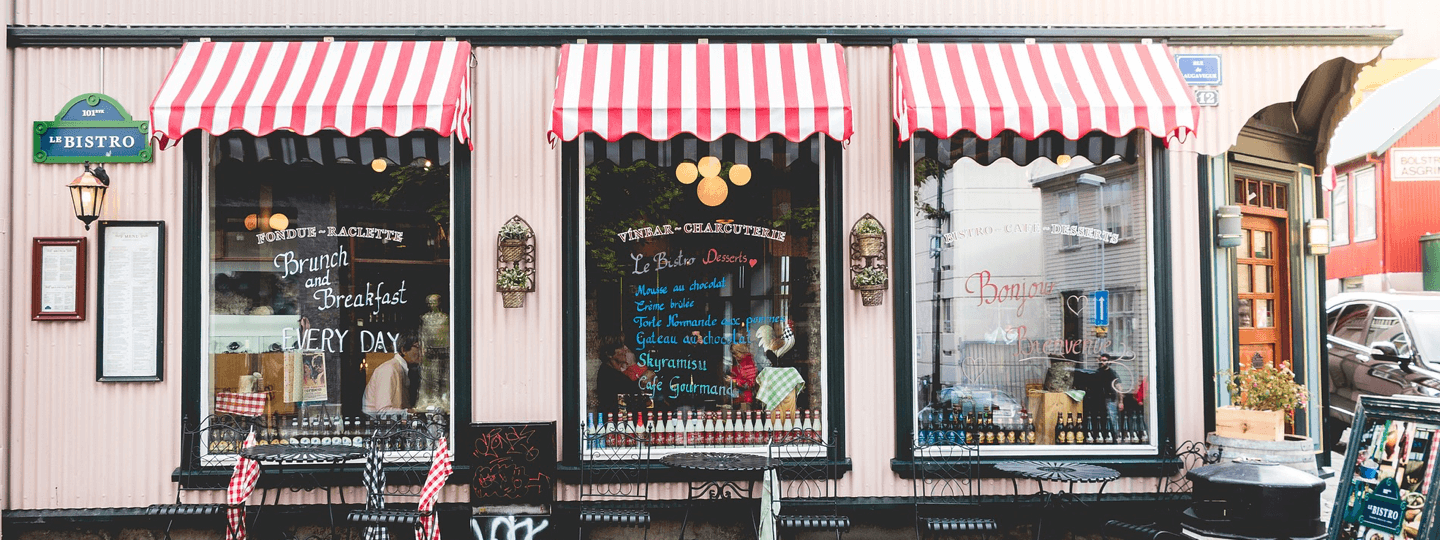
(57, 279)
(1387, 487)
(131, 335)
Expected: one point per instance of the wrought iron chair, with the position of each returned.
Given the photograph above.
(808, 475)
(1172, 491)
(209, 449)
(397, 462)
(614, 479)
(945, 489)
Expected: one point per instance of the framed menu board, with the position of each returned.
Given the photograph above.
(57, 279)
(1386, 489)
(131, 335)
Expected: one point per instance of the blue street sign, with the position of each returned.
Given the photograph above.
(1199, 69)
(1101, 301)
(92, 127)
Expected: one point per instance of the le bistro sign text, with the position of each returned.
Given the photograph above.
(94, 128)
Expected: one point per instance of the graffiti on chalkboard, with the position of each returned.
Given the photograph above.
(514, 463)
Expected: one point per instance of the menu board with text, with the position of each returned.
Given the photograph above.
(132, 276)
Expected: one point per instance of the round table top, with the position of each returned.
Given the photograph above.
(1059, 471)
(303, 453)
(718, 461)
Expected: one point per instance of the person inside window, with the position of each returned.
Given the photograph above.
(620, 375)
(388, 391)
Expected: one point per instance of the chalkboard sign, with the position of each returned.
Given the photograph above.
(514, 463)
(131, 333)
(1386, 489)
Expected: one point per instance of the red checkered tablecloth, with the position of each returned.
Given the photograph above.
(243, 404)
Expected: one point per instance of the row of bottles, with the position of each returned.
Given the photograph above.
(975, 428)
(323, 430)
(702, 428)
(1098, 429)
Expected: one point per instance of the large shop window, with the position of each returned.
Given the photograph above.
(702, 289)
(1045, 272)
(329, 275)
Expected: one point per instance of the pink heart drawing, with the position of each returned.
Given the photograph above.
(1075, 304)
(752, 263)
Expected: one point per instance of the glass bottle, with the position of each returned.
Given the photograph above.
(1029, 428)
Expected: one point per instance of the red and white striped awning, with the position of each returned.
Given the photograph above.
(1032, 88)
(708, 90)
(304, 87)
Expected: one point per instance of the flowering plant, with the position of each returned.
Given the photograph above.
(514, 231)
(871, 275)
(1265, 388)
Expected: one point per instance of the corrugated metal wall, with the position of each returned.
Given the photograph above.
(742, 12)
(81, 443)
(1257, 77)
(87, 444)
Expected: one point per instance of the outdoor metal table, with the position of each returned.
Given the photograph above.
(1057, 471)
(283, 455)
(720, 488)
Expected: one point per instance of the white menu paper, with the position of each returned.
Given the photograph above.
(130, 297)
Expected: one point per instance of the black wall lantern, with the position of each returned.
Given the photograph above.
(87, 192)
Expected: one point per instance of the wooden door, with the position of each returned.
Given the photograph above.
(1263, 286)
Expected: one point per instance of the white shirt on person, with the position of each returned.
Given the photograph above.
(388, 388)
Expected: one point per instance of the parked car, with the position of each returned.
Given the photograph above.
(1379, 344)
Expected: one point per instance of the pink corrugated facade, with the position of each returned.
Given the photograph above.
(76, 443)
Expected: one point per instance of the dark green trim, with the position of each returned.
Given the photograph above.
(1209, 336)
(835, 272)
(660, 473)
(192, 282)
(571, 306)
(1164, 295)
(462, 303)
(541, 35)
(1129, 466)
(902, 280)
(193, 279)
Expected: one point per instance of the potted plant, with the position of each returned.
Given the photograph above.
(870, 281)
(513, 283)
(512, 241)
(869, 237)
(1264, 398)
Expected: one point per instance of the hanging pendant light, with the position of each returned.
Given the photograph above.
(87, 193)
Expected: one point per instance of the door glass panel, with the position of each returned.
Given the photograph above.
(1244, 246)
(1262, 244)
(1244, 315)
(1242, 276)
(1264, 316)
(1264, 276)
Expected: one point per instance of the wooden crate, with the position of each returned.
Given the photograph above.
(1240, 423)
(1045, 408)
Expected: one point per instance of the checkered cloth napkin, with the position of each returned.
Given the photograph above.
(440, 470)
(374, 480)
(242, 483)
(243, 404)
(776, 383)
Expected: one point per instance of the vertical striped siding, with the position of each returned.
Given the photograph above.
(78, 443)
(1081, 13)
(1257, 77)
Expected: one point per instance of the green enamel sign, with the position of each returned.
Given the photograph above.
(1383, 509)
(94, 128)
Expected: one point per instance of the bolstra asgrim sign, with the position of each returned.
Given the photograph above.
(94, 128)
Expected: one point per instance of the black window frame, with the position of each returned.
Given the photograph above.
(193, 280)
(573, 308)
(1148, 465)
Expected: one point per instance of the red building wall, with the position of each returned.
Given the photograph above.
(1405, 211)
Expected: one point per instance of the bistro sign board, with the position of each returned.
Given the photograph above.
(1387, 490)
(94, 128)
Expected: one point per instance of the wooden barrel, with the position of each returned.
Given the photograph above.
(1295, 451)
